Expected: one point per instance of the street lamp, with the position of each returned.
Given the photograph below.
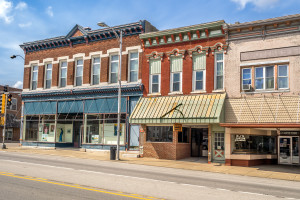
(102, 24)
(22, 108)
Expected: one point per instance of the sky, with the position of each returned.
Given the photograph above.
(29, 20)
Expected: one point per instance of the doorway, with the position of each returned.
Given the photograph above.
(199, 142)
(288, 150)
(78, 130)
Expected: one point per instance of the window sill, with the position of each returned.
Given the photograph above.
(174, 93)
(266, 91)
(199, 92)
(219, 91)
(154, 94)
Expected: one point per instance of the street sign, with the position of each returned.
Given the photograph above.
(177, 127)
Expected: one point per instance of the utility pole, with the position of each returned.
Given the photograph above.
(4, 128)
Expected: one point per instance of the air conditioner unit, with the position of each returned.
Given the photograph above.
(247, 87)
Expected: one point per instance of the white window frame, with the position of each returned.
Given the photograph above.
(10, 107)
(92, 69)
(194, 80)
(59, 78)
(45, 81)
(129, 70)
(287, 68)
(75, 77)
(264, 77)
(151, 92)
(110, 56)
(242, 79)
(180, 85)
(37, 76)
(215, 71)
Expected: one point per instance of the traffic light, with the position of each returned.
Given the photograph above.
(3, 103)
(5, 88)
(9, 99)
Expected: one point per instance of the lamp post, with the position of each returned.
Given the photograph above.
(102, 24)
(22, 107)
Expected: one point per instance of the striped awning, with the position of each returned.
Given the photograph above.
(179, 109)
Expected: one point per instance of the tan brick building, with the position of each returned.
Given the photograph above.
(262, 84)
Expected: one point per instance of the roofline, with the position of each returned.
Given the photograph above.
(182, 29)
(264, 21)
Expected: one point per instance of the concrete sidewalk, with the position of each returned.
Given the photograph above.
(290, 173)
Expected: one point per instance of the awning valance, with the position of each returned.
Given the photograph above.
(179, 109)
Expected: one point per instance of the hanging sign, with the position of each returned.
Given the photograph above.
(177, 127)
(240, 138)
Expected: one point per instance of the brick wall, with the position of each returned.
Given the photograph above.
(187, 65)
(103, 46)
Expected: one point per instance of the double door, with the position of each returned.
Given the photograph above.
(288, 150)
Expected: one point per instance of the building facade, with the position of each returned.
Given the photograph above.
(182, 104)
(262, 109)
(13, 115)
(70, 88)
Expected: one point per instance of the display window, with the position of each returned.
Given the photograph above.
(159, 134)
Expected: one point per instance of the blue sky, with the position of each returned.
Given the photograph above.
(30, 20)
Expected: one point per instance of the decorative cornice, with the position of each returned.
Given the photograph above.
(86, 37)
(155, 55)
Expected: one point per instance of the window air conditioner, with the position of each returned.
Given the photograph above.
(247, 87)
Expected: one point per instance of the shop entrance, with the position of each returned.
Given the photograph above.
(288, 150)
(77, 133)
(199, 142)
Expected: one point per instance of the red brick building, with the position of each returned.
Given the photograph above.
(183, 76)
(70, 87)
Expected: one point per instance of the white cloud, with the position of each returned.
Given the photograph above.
(21, 6)
(5, 8)
(25, 25)
(257, 3)
(18, 84)
(49, 11)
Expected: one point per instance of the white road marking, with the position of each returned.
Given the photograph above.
(139, 178)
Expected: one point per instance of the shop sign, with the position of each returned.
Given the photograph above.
(177, 127)
(240, 138)
(290, 133)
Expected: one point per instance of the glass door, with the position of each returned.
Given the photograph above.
(285, 150)
(218, 147)
(295, 150)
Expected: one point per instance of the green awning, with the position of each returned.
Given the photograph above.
(206, 108)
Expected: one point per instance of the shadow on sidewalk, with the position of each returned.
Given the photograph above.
(295, 169)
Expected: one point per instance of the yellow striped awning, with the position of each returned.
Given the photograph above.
(205, 108)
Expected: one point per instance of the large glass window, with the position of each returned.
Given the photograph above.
(283, 77)
(79, 72)
(34, 78)
(219, 71)
(68, 126)
(183, 137)
(114, 64)
(253, 144)
(133, 66)
(264, 77)
(96, 71)
(159, 134)
(48, 76)
(31, 128)
(63, 74)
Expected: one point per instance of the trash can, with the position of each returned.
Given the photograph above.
(113, 151)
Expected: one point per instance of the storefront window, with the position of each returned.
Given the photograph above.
(254, 144)
(64, 127)
(94, 129)
(183, 137)
(159, 134)
(47, 128)
(110, 129)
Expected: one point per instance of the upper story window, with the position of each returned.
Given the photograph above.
(48, 79)
(176, 73)
(79, 72)
(133, 66)
(63, 74)
(114, 65)
(155, 71)
(96, 71)
(34, 79)
(13, 105)
(219, 71)
(199, 69)
(265, 78)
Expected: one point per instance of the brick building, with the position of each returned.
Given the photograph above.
(183, 75)
(262, 111)
(70, 88)
(13, 115)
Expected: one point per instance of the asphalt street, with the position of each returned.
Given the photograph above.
(148, 181)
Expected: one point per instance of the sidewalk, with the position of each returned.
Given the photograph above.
(290, 173)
